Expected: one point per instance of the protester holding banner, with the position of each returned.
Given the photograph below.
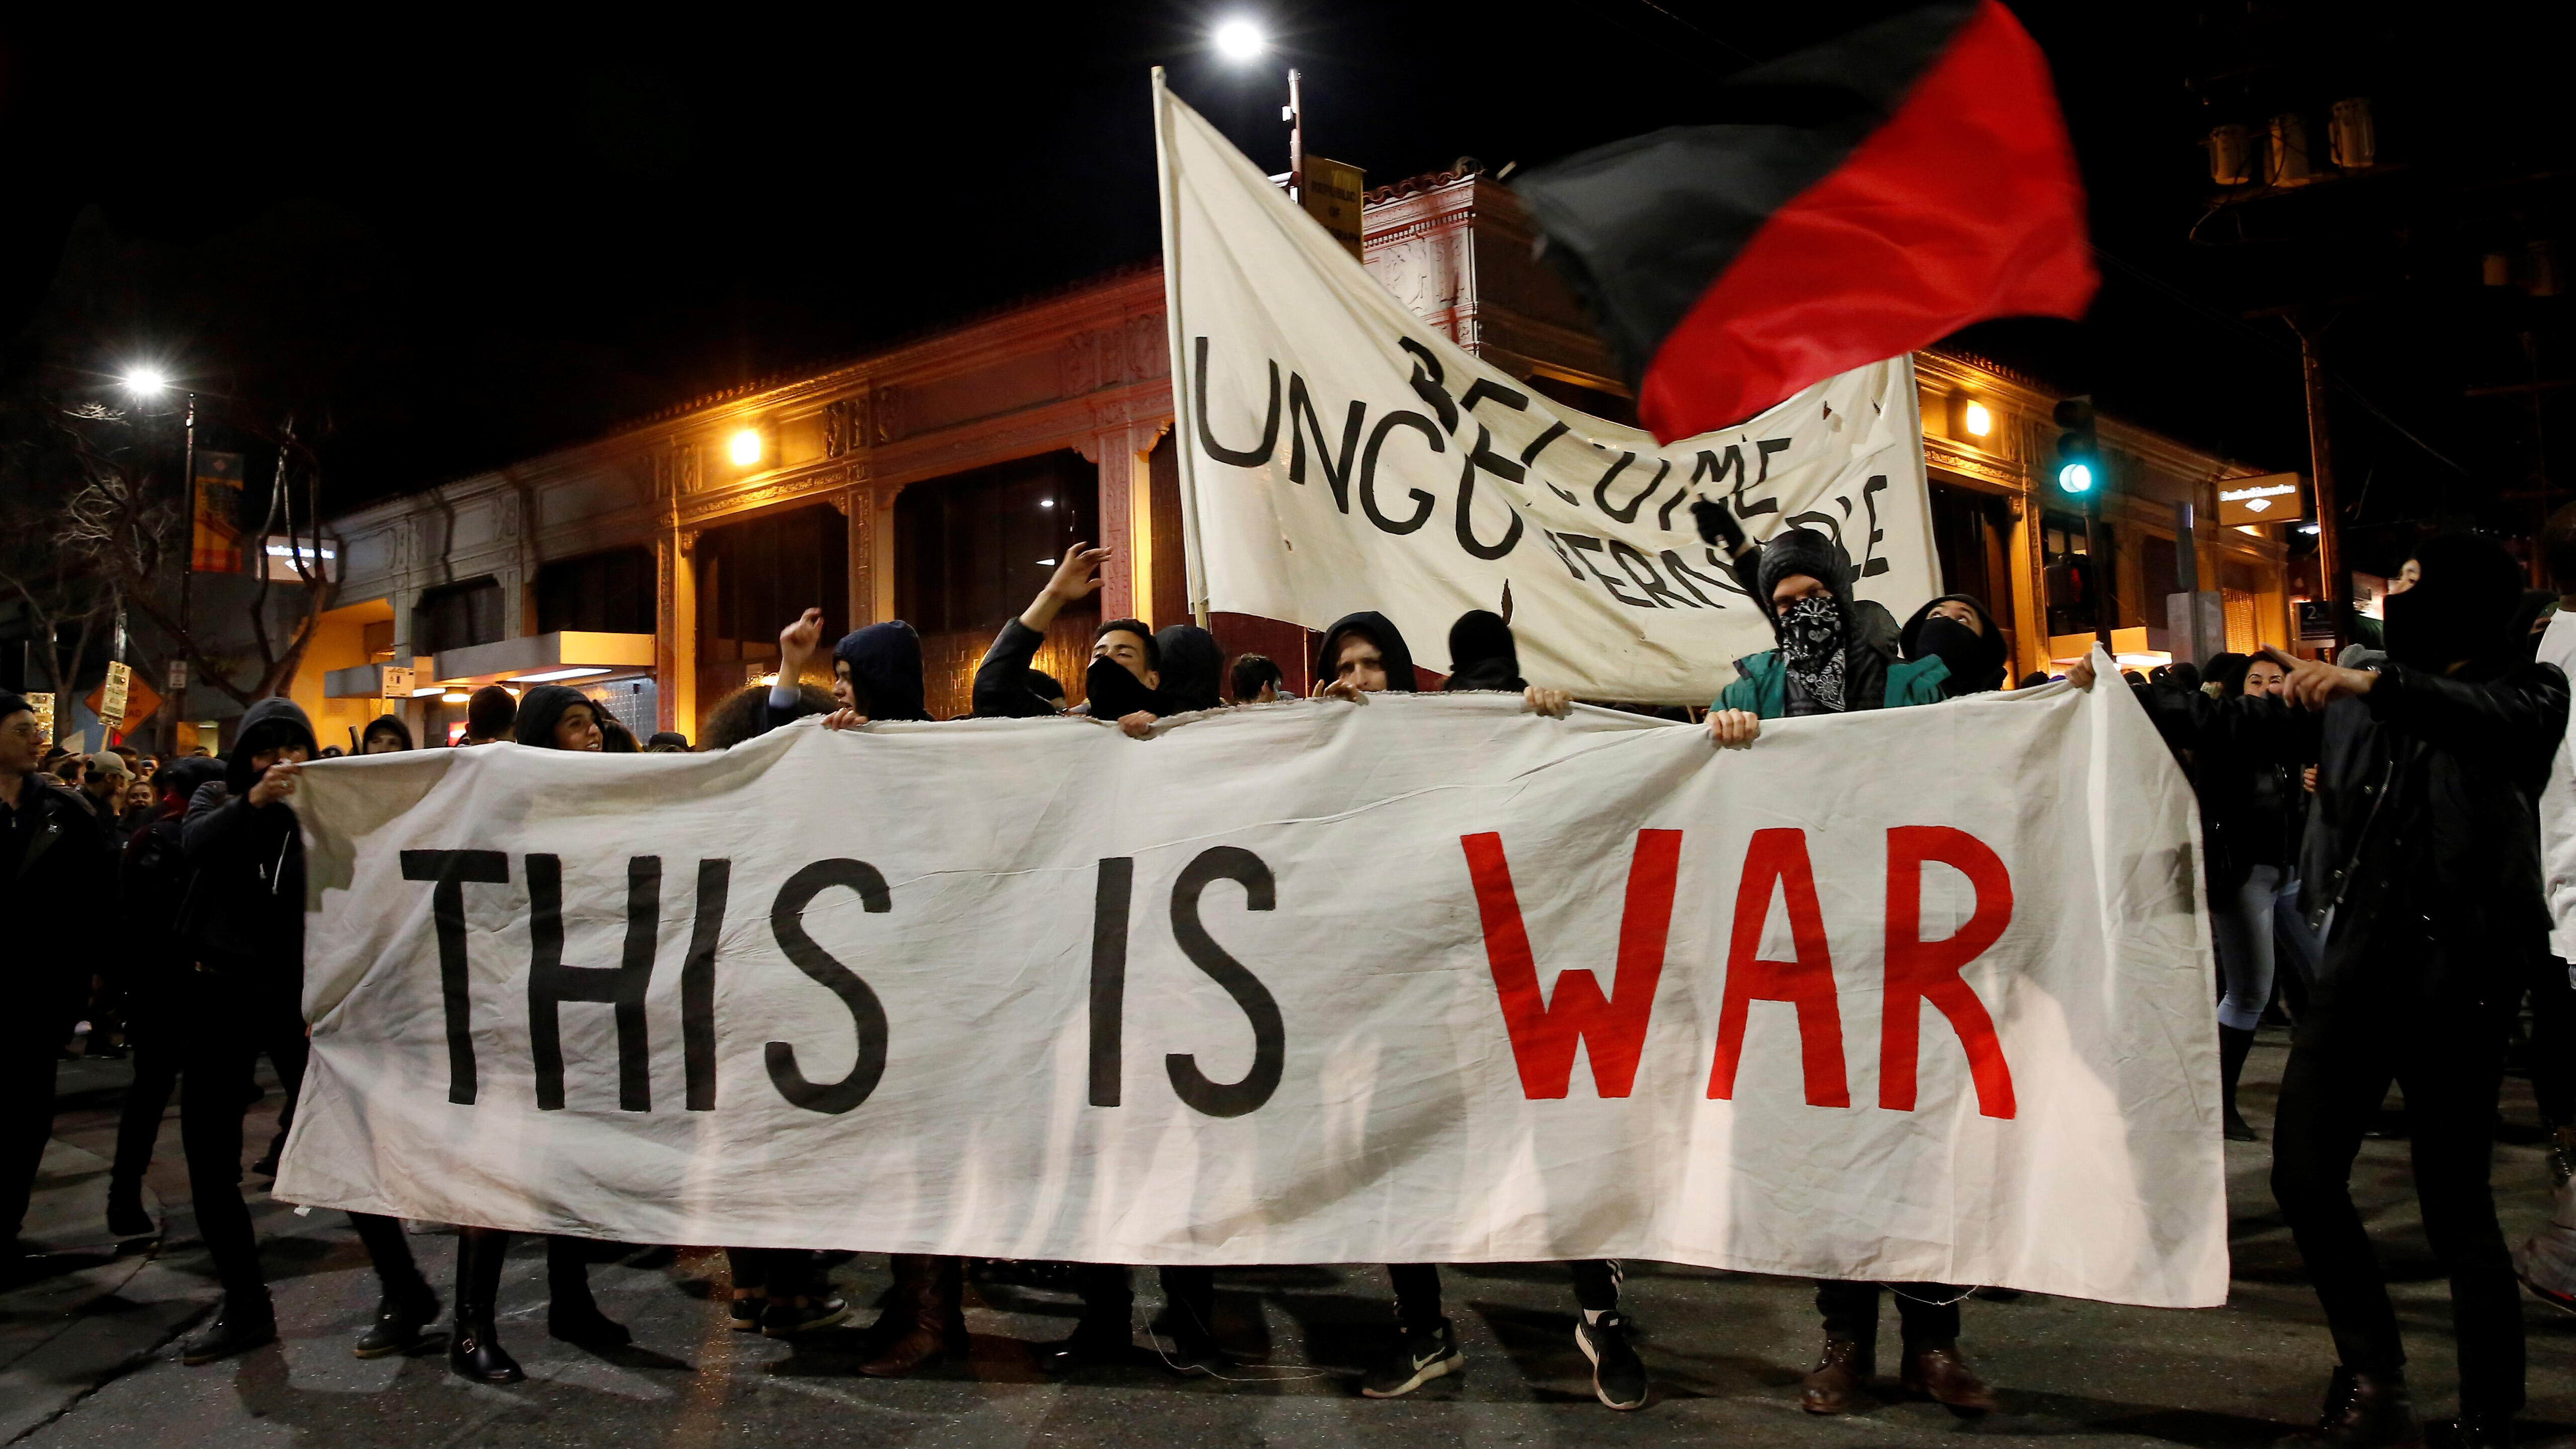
(2424, 872)
(1192, 665)
(243, 922)
(1957, 630)
(1003, 689)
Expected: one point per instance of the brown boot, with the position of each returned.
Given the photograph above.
(1841, 1377)
(925, 1319)
(1939, 1374)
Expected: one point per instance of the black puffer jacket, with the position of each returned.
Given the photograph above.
(2425, 835)
(245, 900)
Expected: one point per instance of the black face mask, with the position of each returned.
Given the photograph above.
(1115, 693)
(1971, 656)
(1811, 646)
(2427, 628)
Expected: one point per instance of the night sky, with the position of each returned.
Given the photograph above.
(464, 241)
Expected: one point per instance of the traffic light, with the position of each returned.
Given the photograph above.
(2079, 451)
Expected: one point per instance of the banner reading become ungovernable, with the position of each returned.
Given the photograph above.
(1912, 994)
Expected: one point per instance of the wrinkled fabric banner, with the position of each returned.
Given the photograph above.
(1340, 453)
(1906, 995)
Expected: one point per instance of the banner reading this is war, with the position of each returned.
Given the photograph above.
(1339, 453)
(1906, 995)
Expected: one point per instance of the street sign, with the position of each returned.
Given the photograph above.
(2271, 498)
(2316, 621)
(178, 676)
(111, 706)
(397, 681)
(1333, 193)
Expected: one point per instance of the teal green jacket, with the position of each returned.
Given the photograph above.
(1762, 684)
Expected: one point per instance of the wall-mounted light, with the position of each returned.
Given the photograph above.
(551, 675)
(744, 447)
(458, 697)
(1977, 420)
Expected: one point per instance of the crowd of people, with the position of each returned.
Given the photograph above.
(2375, 824)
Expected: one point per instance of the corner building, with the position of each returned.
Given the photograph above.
(938, 480)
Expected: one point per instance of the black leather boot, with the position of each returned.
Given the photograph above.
(571, 1313)
(125, 1215)
(2363, 1411)
(473, 1349)
(241, 1324)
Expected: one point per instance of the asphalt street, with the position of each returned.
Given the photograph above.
(88, 1343)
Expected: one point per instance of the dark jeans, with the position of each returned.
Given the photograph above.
(2449, 1061)
(1927, 1314)
(778, 1272)
(150, 1044)
(1417, 1291)
(228, 1019)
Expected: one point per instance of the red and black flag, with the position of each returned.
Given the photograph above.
(1853, 202)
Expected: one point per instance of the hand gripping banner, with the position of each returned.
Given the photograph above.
(1338, 453)
(1912, 995)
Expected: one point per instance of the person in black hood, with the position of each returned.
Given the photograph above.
(57, 881)
(550, 717)
(1482, 654)
(1192, 665)
(384, 735)
(1957, 630)
(243, 923)
(1003, 689)
(1363, 653)
(2421, 864)
(1836, 652)
(876, 673)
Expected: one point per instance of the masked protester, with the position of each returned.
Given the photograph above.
(1482, 654)
(1003, 689)
(1830, 661)
(1957, 630)
(243, 924)
(152, 878)
(1192, 663)
(2423, 873)
(56, 875)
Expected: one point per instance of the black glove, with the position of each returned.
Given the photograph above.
(1717, 526)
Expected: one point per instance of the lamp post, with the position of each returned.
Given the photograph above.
(148, 382)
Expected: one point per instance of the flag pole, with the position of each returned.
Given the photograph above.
(1168, 185)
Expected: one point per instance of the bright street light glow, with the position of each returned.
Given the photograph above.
(745, 448)
(1240, 40)
(145, 381)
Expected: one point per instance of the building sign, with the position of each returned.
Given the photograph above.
(2271, 498)
(1332, 193)
(216, 548)
(282, 554)
(397, 681)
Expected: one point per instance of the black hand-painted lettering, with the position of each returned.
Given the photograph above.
(1588, 545)
(1109, 908)
(451, 869)
(1766, 447)
(867, 1014)
(698, 986)
(1872, 565)
(1301, 421)
(1486, 388)
(1368, 472)
(1430, 385)
(1601, 490)
(1539, 444)
(1252, 457)
(1269, 1033)
(623, 986)
(1557, 546)
(1642, 569)
(1483, 456)
(1683, 574)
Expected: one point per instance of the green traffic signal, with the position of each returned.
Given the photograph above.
(2079, 451)
(2075, 477)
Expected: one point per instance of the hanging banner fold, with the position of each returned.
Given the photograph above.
(1339, 453)
(1428, 979)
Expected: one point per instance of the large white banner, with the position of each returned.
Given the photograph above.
(1909, 994)
(1339, 454)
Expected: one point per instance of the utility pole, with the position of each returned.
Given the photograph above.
(2330, 561)
(177, 703)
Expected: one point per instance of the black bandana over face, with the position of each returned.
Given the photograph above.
(1811, 645)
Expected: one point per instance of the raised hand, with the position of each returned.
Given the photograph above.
(797, 644)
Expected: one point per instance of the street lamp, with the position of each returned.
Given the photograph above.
(146, 381)
(1240, 40)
